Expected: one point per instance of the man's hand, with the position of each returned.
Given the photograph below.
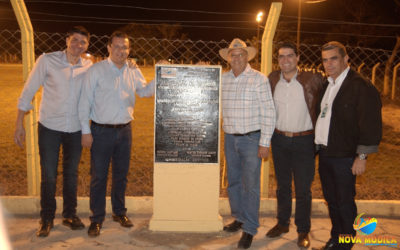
(202, 63)
(163, 62)
(19, 135)
(358, 166)
(87, 140)
(263, 152)
(132, 64)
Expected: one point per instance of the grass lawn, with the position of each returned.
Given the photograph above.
(380, 182)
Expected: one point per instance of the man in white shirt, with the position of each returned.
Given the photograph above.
(108, 100)
(349, 127)
(248, 121)
(296, 94)
(61, 75)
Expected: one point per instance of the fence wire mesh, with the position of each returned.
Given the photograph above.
(146, 52)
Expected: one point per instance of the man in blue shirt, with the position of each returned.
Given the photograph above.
(61, 75)
(108, 100)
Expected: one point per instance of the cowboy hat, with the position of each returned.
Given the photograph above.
(238, 44)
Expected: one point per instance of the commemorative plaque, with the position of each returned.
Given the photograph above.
(186, 126)
(187, 107)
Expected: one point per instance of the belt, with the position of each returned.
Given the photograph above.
(320, 146)
(293, 134)
(249, 133)
(111, 125)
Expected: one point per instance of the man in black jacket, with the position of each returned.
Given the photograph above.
(349, 127)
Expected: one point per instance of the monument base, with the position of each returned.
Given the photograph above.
(186, 226)
(186, 198)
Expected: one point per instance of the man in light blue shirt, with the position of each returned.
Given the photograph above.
(108, 100)
(61, 75)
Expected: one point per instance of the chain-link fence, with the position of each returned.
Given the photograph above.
(147, 51)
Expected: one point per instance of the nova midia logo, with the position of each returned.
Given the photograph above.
(365, 227)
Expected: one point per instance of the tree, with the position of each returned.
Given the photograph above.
(160, 31)
(388, 66)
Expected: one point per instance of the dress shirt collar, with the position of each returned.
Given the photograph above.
(340, 78)
(294, 76)
(114, 67)
(247, 70)
(65, 59)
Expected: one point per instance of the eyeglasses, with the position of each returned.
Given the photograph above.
(116, 47)
(240, 55)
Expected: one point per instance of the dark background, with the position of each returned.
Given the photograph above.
(332, 19)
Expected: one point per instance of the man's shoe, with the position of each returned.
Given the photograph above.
(303, 241)
(330, 245)
(73, 222)
(277, 230)
(44, 229)
(245, 240)
(233, 227)
(123, 220)
(94, 229)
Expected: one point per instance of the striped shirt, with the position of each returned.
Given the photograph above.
(108, 94)
(247, 104)
(62, 84)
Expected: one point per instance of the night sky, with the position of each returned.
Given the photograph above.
(238, 20)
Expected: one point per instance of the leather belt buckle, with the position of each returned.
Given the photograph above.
(289, 134)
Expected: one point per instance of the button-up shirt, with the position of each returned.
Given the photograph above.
(61, 83)
(108, 94)
(291, 109)
(247, 104)
(324, 118)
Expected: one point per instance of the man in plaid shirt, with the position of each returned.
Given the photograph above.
(248, 121)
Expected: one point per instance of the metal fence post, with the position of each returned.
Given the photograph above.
(28, 60)
(360, 67)
(268, 36)
(394, 80)
(266, 68)
(374, 72)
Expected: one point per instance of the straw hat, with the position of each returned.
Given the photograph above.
(238, 44)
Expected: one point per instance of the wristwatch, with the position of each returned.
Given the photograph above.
(362, 156)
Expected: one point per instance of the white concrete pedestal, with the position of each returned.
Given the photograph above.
(186, 197)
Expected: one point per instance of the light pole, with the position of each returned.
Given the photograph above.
(258, 19)
(298, 26)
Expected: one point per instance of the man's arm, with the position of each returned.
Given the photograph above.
(85, 105)
(267, 117)
(36, 78)
(142, 88)
(19, 133)
(370, 124)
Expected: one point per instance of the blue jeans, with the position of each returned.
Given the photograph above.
(294, 156)
(109, 145)
(338, 187)
(243, 164)
(49, 149)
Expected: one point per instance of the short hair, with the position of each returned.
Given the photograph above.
(335, 45)
(117, 33)
(79, 30)
(288, 45)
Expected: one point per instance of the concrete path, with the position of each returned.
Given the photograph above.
(22, 230)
